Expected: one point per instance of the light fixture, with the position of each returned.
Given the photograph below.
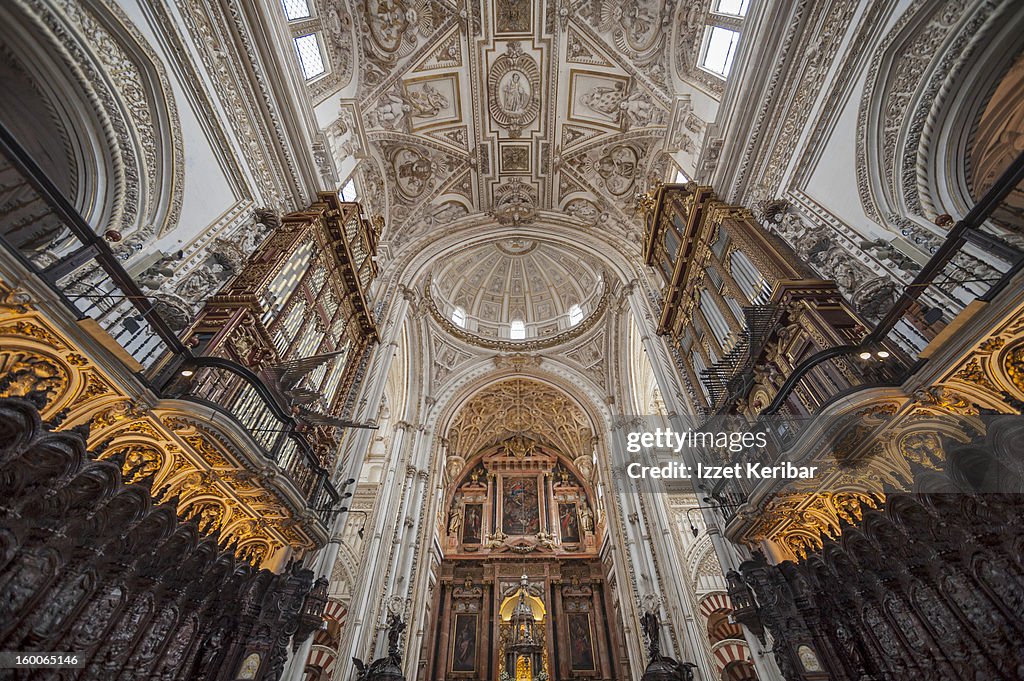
(882, 353)
(187, 372)
(865, 355)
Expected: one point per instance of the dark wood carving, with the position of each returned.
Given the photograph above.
(91, 565)
(930, 587)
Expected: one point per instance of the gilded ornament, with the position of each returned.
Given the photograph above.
(974, 373)
(923, 449)
(28, 372)
(1013, 365)
(27, 329)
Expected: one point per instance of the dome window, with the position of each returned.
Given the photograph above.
(517, 330)
(575, 315)
(459, 317)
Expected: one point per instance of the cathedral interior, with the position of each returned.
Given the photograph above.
(366, 340)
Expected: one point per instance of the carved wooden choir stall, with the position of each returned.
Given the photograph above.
(90, 563)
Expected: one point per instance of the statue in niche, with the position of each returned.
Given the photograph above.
(455, 522)
(586, 518)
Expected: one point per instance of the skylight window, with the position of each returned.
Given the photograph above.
(459, 317)
(296, 9)
(575, 315)
(348, 193)
(517, 331)
(737, 8)
(310, 56)
(719, 50)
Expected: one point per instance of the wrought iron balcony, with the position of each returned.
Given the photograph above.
(45, 236)
(976, 262)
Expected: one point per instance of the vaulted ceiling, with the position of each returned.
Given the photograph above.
(518, 107)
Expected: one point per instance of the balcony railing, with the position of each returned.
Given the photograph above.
(975, 263)
(51, 239)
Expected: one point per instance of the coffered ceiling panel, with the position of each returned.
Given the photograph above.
(512, 108)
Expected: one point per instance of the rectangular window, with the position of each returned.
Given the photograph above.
(737, 8)
(517, 331)
(310, 56)
(719, 50)
(575, 315)
(296, 9)
(348, 192)
(459, 317)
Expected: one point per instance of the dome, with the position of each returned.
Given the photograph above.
(516, 290)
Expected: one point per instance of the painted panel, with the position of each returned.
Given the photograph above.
(464, 643)
(520, 513)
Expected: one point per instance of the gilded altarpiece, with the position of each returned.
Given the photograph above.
(522, 510)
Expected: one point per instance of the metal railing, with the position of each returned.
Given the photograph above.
(48, 235)
(955, 274)
(975, 262)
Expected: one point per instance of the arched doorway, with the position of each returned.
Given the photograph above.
(523, 586)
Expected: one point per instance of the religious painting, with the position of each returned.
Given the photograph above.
(618, 167)
(513, 16)
(520, 513)
(413, 172)
(581, 642)
(250, 666)
(597, 98)
(472, 526)
(464, 643)
(808, 659)
(568, 523)
(433, 101)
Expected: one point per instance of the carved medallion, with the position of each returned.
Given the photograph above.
(513, 16)
(516, 203)
(413, 172)
(388, 21)
(618, 168)
(513, 90)
(636, 25)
